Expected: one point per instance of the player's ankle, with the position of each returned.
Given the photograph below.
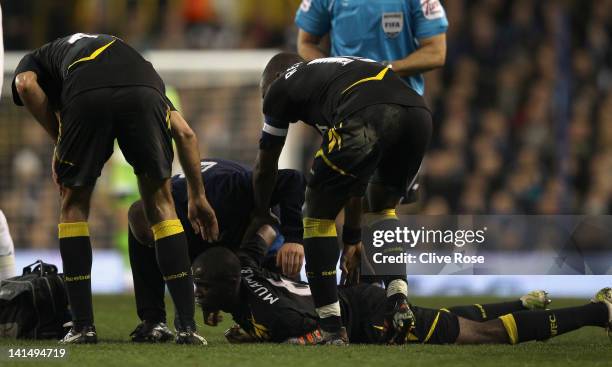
(331, 324)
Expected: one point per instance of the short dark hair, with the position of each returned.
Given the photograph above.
(217, 264)
(275, 67)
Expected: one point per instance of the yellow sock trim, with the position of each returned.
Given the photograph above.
(314, 227)
(75, 229)
(375, 217)
(166, 228)
(510, 326)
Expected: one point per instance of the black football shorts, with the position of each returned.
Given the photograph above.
(363, 313)
(382, 144)
(137, 116)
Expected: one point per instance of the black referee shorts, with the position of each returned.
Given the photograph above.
(137, 116)
(382, 144)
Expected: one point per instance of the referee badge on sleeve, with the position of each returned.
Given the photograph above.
(392, 23)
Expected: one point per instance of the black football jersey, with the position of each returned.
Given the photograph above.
(80, 62)
(324, 91)
(229, 190)
(272, 308)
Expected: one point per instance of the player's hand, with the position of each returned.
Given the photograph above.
(203, 219)
(290, 258)
(212, 318)
(350, 264)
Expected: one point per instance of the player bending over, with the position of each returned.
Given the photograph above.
(375, 131)
(271, 308)
(87, 90)
(230, 193)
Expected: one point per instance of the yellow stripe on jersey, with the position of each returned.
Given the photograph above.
(378, 76)
(432, 328)
(93, 54)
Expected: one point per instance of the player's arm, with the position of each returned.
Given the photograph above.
(254, 249)
(289, 193)
(266, 164)
(430, 55)
(36, 101)
(313, 19)
(200, 213)
(430, 24)
(351, 238)
(311, 46)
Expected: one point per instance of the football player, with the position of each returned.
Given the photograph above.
(375, 131)
(230, 193)
(86, 90)
(271, 308)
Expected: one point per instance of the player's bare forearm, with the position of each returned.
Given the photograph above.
(37, 102)
(188, 153)
(264, 178)
(431, 55)
(312, 47)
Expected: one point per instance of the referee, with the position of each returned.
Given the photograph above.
(410, 35)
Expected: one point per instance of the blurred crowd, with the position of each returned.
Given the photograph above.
(158, 24)
(522, 109)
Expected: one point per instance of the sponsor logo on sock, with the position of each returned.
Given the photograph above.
(553, 325)
(176, 276)
(77, 278)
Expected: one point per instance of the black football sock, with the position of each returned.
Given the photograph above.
(149, 286)
(488, 311)
(386, 220)
(173, 259)
(321, 250)
(524, 326)
(75, 249)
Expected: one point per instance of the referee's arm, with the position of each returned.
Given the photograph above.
(311, 46)
(431, 55)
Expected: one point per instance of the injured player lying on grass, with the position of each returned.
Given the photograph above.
(270, 308)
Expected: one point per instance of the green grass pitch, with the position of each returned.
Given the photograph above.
(116, 318)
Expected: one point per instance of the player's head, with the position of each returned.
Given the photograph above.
(276, 67)
(216, 274)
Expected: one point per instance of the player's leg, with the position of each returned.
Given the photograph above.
(403, 135)
(535, 300)
(7, 250)
(84, 144)
(523, 326)
(75, 249)
(322, 252)
(142, 116)
(149, 291)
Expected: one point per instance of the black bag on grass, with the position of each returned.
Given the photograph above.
(34, 305)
